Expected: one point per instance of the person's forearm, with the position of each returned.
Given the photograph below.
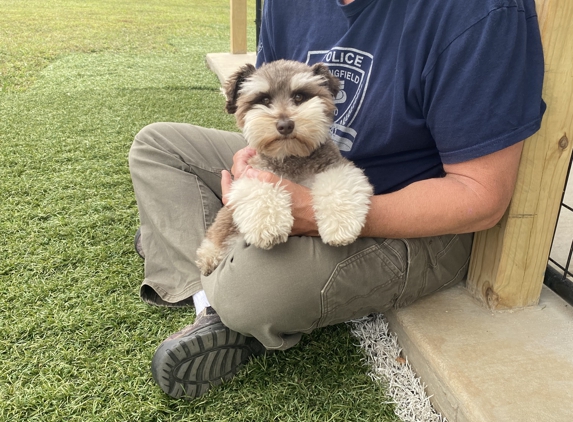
(472, 196)
(430, 208)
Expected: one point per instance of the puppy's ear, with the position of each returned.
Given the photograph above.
(331, 81)
(233, 85)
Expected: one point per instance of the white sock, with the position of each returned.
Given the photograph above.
(200, 301)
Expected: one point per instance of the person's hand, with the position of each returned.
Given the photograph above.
(241, 160)
(240, 164)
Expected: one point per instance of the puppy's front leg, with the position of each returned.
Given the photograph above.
(341, 199)
(261, 211)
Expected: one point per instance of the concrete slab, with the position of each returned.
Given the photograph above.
(224, 64)
(482, 366)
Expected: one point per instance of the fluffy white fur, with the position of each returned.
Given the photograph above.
(341, 199)
(300, 80)
(254, 85)
(261, 211)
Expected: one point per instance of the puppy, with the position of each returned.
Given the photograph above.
(286, 109)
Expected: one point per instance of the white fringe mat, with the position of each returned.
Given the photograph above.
(388, 367)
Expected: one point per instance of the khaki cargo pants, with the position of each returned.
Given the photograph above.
(273, 295)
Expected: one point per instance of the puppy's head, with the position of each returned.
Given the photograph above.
(285, 107)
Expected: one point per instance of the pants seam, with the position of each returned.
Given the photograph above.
(204, 212)
(444, 250)
(386, 244)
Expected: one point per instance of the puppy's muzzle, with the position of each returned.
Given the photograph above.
(285, 126)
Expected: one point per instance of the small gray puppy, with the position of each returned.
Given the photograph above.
(286, 109)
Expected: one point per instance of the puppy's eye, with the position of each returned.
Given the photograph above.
(298, 98)
(266, 101)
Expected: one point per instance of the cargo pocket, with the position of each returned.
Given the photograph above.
(450, 257)
(366, 282)
(435, 263)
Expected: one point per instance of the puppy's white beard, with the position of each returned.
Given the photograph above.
(260, 126)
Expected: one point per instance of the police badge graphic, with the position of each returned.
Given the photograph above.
(353, 68)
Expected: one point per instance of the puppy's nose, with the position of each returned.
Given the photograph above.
(285, 126)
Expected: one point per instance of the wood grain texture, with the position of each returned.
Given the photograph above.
(238, 26)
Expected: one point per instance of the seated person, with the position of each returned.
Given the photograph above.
(436, 98)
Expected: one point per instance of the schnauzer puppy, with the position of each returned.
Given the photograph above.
(286, 109)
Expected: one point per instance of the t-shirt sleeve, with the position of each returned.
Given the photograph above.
(482, 92)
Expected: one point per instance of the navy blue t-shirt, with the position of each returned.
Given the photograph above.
(424, 82)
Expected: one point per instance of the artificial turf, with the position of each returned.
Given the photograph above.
(78, 79)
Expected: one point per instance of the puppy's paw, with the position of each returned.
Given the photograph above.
(208, 257)
(341, 200)
(265, 239)
(340, 235)
(261, 212)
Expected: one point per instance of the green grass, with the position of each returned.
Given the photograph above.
(78, 79)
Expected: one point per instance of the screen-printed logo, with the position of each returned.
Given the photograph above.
(353, 68)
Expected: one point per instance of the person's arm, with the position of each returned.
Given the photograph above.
(472, 196)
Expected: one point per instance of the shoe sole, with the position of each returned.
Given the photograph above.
(188, 367)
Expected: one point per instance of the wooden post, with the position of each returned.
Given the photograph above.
(509, 261)
(238, 26)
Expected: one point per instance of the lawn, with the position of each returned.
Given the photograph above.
(78, 79)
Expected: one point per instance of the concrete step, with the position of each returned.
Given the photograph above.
(479, 365)
(224, 64)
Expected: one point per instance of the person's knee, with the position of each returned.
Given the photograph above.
(151, 134)
(153, 143)
(142, 143)
(246, 310)
(254, 307)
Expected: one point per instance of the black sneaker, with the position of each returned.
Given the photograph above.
(201, 355)
(137, 244)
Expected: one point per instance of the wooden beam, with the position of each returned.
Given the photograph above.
(238, 26)
(509, 261)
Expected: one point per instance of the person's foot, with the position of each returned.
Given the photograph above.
(137, 244)
(201, 355)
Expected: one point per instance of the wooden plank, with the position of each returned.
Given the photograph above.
(508, 261)
(238, 26)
